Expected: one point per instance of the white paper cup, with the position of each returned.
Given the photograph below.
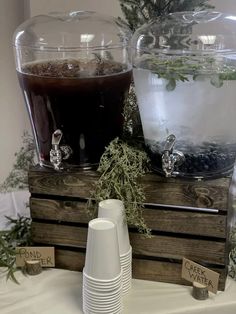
(126, 261)
(102, 260)
(102, 302)
(100, 282)
(127, 254)
(114, 210)
(93, 300)
(97, 288)
(91, 310)
(101, 298)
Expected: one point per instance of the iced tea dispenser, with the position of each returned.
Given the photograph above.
(74, 71)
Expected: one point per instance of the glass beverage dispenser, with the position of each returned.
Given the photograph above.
(74, 71)
(184, 68)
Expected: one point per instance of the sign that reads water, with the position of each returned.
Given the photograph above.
(46, 255)
(192, 271)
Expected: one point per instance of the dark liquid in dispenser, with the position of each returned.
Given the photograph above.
(84, 101)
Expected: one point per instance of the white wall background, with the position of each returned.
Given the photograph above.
(111, 7)
(104, 6)
(224, 5)
(13, 117)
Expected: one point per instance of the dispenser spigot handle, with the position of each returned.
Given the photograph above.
(55, 152)
(171, 157)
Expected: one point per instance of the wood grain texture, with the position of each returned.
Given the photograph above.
(58, 234)
(158, 190)
(142, 269)
(72, 184)
(158, 246)
(182, 192)
(72, 260)
(167, 272)
(173, 247)
(165, 220)
(58, 210)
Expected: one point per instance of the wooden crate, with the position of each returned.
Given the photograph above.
(188, 219)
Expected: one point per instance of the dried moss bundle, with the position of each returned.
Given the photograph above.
(121, 166)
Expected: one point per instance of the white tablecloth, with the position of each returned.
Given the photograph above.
(57, 291)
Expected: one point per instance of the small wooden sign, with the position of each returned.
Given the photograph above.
(194, 272)
(46, 255)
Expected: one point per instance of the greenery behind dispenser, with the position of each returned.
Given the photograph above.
(138, 12)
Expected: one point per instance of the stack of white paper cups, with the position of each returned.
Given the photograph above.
(102, 276)
(114, 210)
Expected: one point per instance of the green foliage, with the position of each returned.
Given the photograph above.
(182, 68)
(121, 166)
(18, 235)
(138, 12)
(18, 177)
(232, 255)
(132, 128)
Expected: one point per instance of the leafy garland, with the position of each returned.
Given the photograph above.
(121, 166)
(20, 231)
(18, 235)
(18, 177)
(232, 254)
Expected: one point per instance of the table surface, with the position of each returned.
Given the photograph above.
(56, 291)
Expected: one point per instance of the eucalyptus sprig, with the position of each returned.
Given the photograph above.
(18, 235)
(121, 168)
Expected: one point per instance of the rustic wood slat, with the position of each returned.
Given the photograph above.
(157, 246)
(142, 269)
(72, 184)
(189, 193)
(177, 248)
(58, 210)
(59, 234)
(167, 272)
(184, 222)
(71, 260)
(158, 190)
(203, 224)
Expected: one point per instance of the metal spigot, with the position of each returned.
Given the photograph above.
(171, 157)
(59, 153)
(55, 152)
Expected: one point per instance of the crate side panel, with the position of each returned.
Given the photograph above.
(165, 220)
(158, 190)
(212, 252)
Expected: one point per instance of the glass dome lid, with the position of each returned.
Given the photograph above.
(202, 31)
(72, 31)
